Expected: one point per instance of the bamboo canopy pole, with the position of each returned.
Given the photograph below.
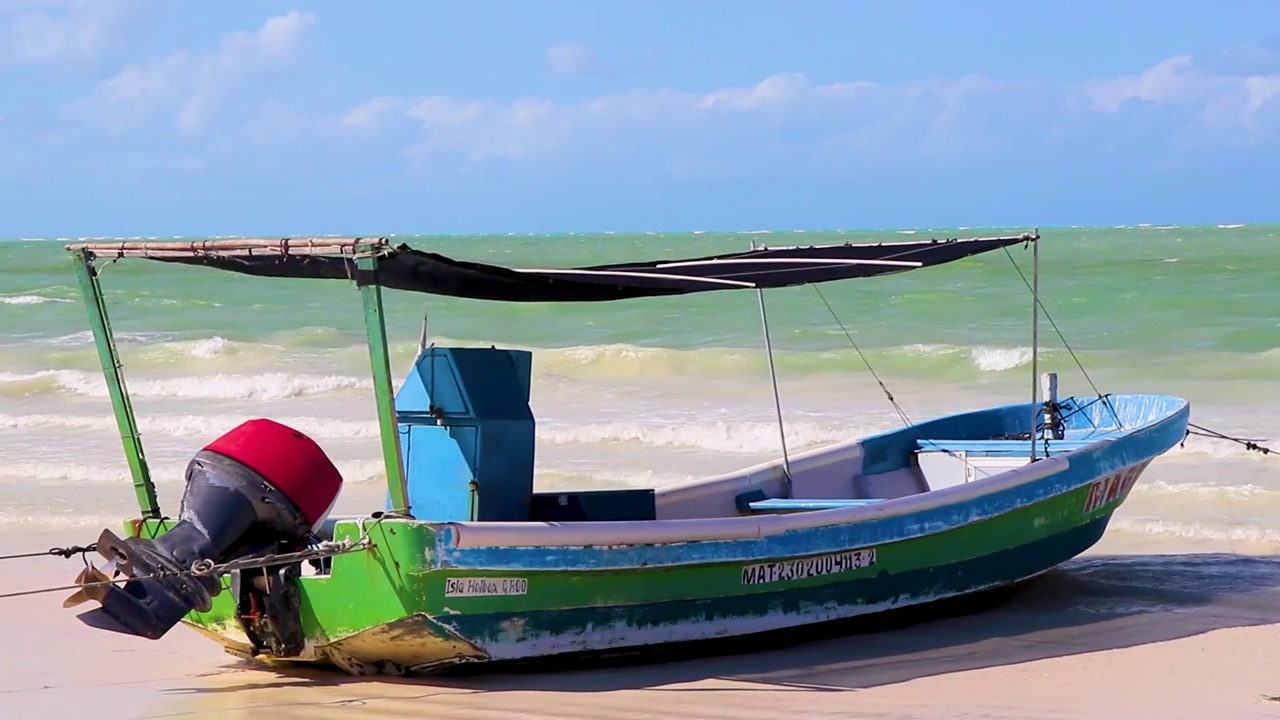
(232, 246)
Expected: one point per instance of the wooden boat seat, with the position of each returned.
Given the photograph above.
(999, 447)
(800, 504)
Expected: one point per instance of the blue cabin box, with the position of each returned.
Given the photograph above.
(467, 434)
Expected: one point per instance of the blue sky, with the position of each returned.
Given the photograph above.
(146, 117)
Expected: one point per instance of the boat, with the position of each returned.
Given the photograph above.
(467, 563)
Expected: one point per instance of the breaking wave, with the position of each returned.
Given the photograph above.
(206, 349)
(552, 480)
(72, 472)
(721, 436)
(1204, 490)
(1198, 449)
(1196, 530)
(737, 437)
(1000, 359)
(621, 361)
(330, 352)
(30, 300)
(163, 472)
(267, 386)
(193, 425)
(45, 518)
(85, 337)
(252, 371)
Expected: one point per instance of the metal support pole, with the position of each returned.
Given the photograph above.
(1035, 339)
(777, 401)
(113, 373)
(379, 359)
(422, 337)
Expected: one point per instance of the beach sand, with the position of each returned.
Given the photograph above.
(1109, 636)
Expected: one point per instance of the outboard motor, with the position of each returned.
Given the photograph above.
(261, 488)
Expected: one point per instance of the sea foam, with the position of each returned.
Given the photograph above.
(720, 436)
(266, 386)
(193, 425)
(30, 300)
(1196, 530)
(163, 472)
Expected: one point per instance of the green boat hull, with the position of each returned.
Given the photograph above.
(493, 571)
(386, 609)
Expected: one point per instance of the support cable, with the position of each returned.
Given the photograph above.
(777, 401)
(1105, 398)
(898, 408)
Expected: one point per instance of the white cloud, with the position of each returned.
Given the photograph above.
(1222, 99)
(190, 87)
(773, 90)
(1171, 81)
(278, 39)
(45, 32)
(442, 112)
(369, 114)
(787, 119)
(784, 125)
(477, 131)
(578, 59)
(781, 118)
(571, 59)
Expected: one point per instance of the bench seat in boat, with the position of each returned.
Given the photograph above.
(1000, 447)
(799, 504)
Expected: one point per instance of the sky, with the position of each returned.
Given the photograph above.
(148, 117)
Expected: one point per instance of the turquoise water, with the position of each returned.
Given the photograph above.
(1146, 290)
(652, 391)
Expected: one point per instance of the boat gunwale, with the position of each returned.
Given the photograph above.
(742, 527)
(494, 535)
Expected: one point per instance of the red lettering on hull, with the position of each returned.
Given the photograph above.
(1112, 487)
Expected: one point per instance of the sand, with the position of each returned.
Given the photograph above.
(1109, 636)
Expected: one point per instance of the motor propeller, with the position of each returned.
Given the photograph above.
(92, 584)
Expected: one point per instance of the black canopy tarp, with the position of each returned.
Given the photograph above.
(404, 268)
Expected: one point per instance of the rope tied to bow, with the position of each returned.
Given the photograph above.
(1200, 431)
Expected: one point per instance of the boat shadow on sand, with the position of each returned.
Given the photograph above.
(1093, 603)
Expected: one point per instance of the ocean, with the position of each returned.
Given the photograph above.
(652, 392)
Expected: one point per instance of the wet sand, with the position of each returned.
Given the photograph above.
(1112, 635)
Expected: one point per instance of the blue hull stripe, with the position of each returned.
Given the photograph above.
(582, 628)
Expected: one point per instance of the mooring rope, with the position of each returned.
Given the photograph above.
(208, 567)
(205, 567)
(65, 552)
(1248, 444)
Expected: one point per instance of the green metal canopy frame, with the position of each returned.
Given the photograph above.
(364, 251)
(372, 263)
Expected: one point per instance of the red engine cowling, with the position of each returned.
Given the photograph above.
(261, 488)
(290, 461)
